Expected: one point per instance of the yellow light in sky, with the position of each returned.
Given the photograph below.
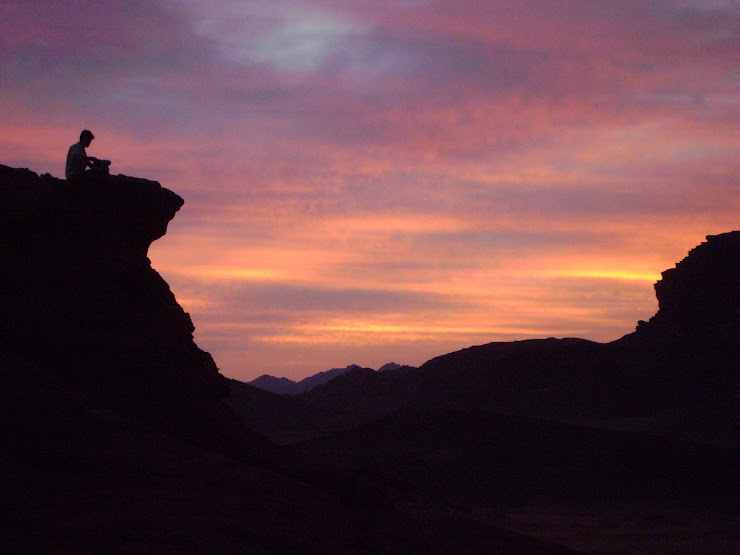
(610, 274)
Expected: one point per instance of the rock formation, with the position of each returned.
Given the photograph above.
(702, 290)
(78, 291)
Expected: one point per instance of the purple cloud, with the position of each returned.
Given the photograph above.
(420, 156)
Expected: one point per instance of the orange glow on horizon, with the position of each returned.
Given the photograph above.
(612, 275)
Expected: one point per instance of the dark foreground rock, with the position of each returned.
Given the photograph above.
(78, 292)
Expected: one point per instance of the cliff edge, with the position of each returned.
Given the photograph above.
(78, 292)
(702, 290)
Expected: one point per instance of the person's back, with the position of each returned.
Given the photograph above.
(77, 162)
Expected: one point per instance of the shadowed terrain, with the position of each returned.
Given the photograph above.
(634, 443)
(676, 375)
(117, 434)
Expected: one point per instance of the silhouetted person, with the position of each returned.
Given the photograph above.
(78, 161)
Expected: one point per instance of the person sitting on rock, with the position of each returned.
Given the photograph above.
(78, 160)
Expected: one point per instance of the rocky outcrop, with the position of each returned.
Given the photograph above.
(78, 291)
(702, 290)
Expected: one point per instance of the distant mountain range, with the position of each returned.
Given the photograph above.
(285, 386)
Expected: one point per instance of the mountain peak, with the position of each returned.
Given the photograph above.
(279, 386)
(389, 367)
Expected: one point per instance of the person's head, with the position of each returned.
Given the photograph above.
(86, 138)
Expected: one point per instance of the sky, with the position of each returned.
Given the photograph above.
(370, 181)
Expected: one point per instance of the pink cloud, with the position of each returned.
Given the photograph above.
(353, 178)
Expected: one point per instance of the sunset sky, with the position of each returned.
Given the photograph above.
(371, 181)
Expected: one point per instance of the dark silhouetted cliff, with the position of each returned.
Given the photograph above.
(702, 293)
(78, 292)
